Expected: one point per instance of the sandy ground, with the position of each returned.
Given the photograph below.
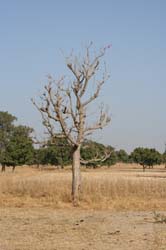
(48, 229)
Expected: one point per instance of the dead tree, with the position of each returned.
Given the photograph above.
(64, 107)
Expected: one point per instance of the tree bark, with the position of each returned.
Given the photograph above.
(76, 175)
(13, 168)
(3, 168)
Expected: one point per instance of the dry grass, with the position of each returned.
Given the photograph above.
(120, 188)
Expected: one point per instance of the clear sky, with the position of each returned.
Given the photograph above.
(33, 32)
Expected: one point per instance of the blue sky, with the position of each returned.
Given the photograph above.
(33, 32)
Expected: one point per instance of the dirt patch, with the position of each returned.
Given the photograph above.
(41, 229)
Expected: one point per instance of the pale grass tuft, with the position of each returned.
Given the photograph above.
(159, 218)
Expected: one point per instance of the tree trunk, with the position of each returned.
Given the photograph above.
(13, 168)
(76, 175)
(3, 168)
(61, 163)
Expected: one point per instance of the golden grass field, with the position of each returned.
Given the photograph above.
(116, 210)
(120, 188)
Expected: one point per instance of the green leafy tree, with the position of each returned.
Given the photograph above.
(20, 149)
(16, 147)
(122, 156)
(62, 151)
(58, 154)
(146, 157)
(45, 156)
(164, 157)
(6, 130)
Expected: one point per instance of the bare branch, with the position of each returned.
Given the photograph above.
(97, 158)
(56, 115)
(71, 111)
(103, 120)
(96, 94)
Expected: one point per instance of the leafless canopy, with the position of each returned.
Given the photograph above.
(65, 102)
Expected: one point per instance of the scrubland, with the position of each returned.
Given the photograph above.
(116, 209)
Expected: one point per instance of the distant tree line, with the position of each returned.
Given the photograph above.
(17, 148)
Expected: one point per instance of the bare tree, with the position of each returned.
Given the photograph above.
(64, 107)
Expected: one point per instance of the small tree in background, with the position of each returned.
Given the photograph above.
(16, 146)
(122, 156)
(62, 151)
(164, 157)
(20, 149)
(65, 105)
(57, 154)
(146, 157)
(6, 130)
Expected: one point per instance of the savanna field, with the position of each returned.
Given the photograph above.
(121, 207)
